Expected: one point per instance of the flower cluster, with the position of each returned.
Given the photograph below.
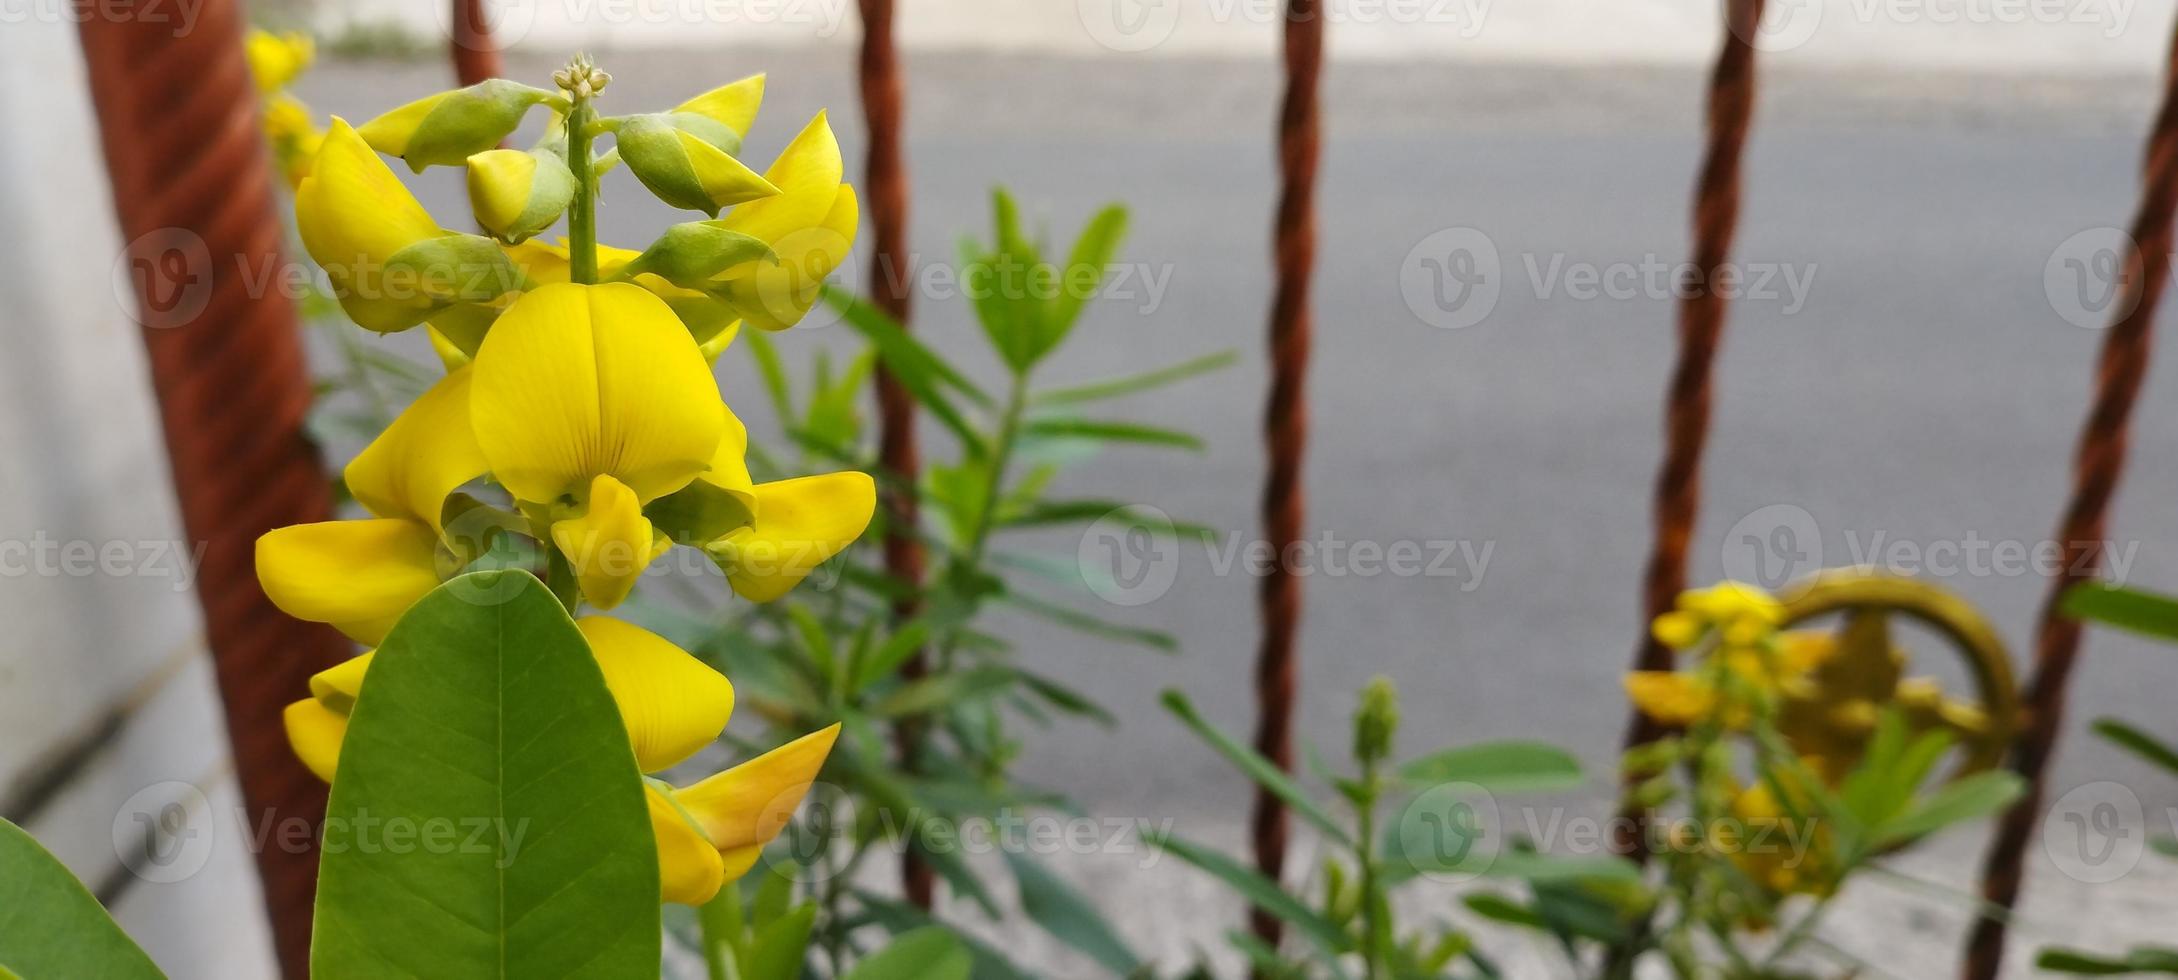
(579, 421)
(276, 60)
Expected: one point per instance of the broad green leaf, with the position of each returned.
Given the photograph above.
(1064, 913)
(2141, 959)
(2141, 612)
(1979, 795)
(1257, 768)
(2139, 743)
(487, 732)
(1500, 767)
(929, 953)
(1148, 435)
(1259, 891)
(50, 926)
(1130, 384)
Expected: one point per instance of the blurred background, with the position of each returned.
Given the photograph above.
(1928, 188)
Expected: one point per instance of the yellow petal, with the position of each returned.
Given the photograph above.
(748, 805)
(725, 180)
(807, 174)
(577, 381)
(337, 687)
(276, 59)
(389, 133)
(426, 454)
(1678, 630)
(499, 188)
(359, 576)
(689, 869)
(1669, 697)
(722, 338)
(734, 104)
(672, 703)
(353, 215)
(739, 860)
(799, 524)
(610, 544)
(315, 732)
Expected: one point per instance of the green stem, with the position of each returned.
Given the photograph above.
(979, 537)
(1374, 904)
(582, 212)
(720, 918)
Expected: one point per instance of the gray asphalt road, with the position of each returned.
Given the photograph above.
(1918, 390)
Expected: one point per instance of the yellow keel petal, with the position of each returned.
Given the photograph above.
(610, 544)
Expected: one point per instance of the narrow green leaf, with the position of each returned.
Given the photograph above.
(2146, 613)
(929, 953)
(488, 820)
(1083, 273)
(1069, 917)
(773, 372)
(782, 944)
(1259, 891)
(1132, 383)
(1500, 767)
(1148, 435)
(50, 926)
(2141, 959)
(1255, 767)
(1075, 619)
(890, 654)
(2139, 743)
(939, 691)
(1979, 795)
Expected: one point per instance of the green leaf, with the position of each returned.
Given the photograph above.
(929, 953)
(2141, 959)
(892, 653)
(2139, 743)
(1084, 272)
(1256, 767)
(782, 944)
(1132, 383)
(1979, 795)
(939, 691)
(2140, 612)
(1148, 435)
(486, 730)
(772, 371)
(920, 371)
(1053, 904)
(1259, 891)
(50, 926)
(1500, 767)
(1075, 619)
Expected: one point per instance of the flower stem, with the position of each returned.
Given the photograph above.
(720, 920)
(582, 212)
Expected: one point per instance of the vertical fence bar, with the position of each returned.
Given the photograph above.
(2097, 466)
(885, 175)
(1285, 432)
(191, 179)
(476, 56)
(1702, 312)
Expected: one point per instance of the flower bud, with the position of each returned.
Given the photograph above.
(448, 128)
(683, 169)
(692, 252)
(516, 194)
(276, 59)
(1376, 721)
(732, 106)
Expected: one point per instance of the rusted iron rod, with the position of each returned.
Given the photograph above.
(885, 180)
(1285, 433)
(1701, 325)
(193, 189)
(2097, 466)
(476, 54)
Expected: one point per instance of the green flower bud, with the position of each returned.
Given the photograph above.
(516, 194)
(1376, 721)
(683, 168)
(450, 127)
(692, 252)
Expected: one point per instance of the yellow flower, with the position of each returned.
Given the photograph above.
(709, 320)
(294, 135)
(355, 216)
(810, 224)
(796, 525)
(514, 194)
(590, 402)
(672, 703)
(713, 832)
(362, 575)
(276, 60)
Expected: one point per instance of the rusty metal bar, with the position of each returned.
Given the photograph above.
(1701, 325)
(1285, 433)
(2097, 467)
(476, 55)
(191, 178)
(885, 179)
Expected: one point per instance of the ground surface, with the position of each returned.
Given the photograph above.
(1914, 398)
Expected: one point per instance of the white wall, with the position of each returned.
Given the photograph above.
(96, 617)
